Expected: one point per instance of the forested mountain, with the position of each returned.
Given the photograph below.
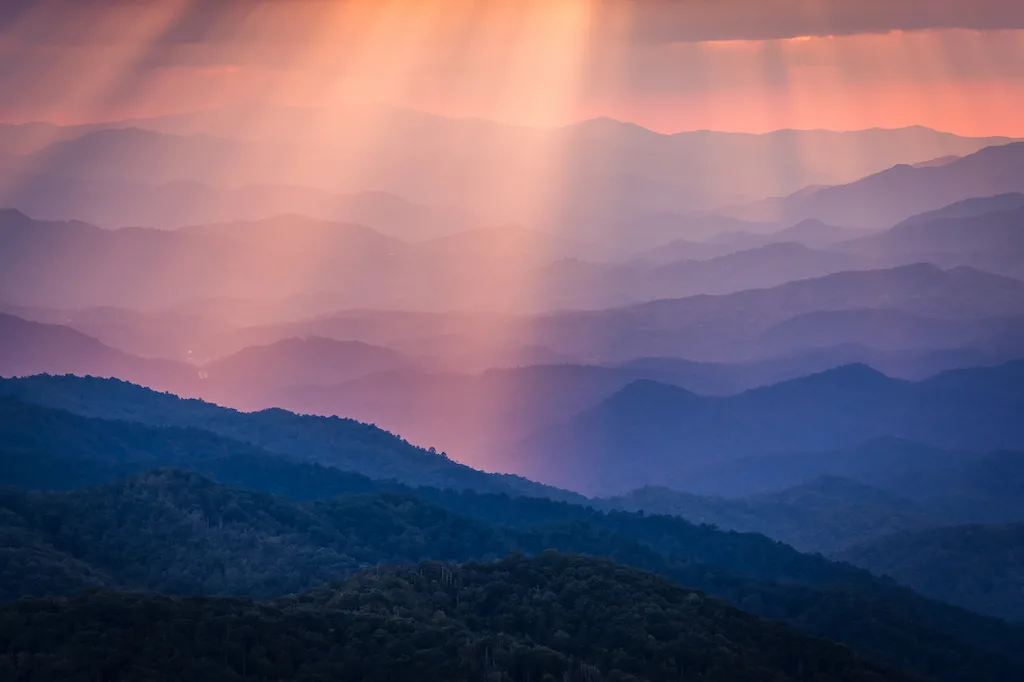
(823, 515)
(177, 531)
(978, 567)
(551, 617)
(340, 341)
(341, 443)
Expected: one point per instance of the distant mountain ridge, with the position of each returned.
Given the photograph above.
(986, 234)
(890, 196)
(342, 443)
(615, 172)
(653, 433)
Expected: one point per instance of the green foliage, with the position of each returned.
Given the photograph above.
(553, 617)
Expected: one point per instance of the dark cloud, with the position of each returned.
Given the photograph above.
(700, 20)
(653, 21)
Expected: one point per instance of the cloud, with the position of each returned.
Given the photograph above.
(648, 21)
(712, 20)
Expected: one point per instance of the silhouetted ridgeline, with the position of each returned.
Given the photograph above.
(650, 432)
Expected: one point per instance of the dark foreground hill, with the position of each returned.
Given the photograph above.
(181, 533)
(546, 618)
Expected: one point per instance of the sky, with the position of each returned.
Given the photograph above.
(671, 65)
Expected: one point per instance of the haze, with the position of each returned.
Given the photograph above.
(579, 340)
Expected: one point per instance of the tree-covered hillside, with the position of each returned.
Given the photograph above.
(977, 567)
(273, 524)
(176, 532)
(342, 443)
(553, 617)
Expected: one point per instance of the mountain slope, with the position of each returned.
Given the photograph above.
(652, 433)
(724, 327)
(334, 442)
(434, 621)
(28, 348)
(886, 198)
(825, 515)
(613, 171)
(309, 361)
(977, 567)
(200, 523)
(183, 534)
(70, 265)
(993, 241)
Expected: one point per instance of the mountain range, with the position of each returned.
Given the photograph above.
(903, 191)
(655, 433)
(612, 173)
(179, 532)
(370, 393)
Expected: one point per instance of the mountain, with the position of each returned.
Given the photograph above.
(572, 283)
(954, 486)
(18, 139)
(166, 334)
(758, 268)
(434, 621)
(311, 361)
(331, 441)
(685, 250)
(971, 208)
(304, 264)
(654, 433)
(810, 232)
(703, 328)
(675, 236)
(475, 416)
(980, 568)
(67, 265)
(176, 531)
(825, 515)
(724, 328)
(127, 202)
(274, 546)
(991, 241)
(890, 330)
(33, 348)
(890, 196)
(610, 174)
(507, 245)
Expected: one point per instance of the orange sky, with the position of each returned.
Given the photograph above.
(669, 65)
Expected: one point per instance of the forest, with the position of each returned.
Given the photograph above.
(228, 518)
(552, 617)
